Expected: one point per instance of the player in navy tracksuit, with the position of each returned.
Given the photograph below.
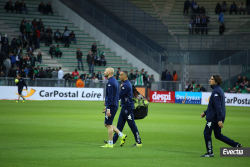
(126, 114)
(112, 104)
(21, 83)
(215, 116)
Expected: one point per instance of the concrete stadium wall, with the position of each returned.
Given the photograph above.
(82, 24)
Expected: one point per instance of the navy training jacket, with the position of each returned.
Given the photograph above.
(126, 95)
(112, 93)
(216, 110)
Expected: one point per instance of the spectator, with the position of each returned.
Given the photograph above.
(42, 8)
(58, 52)
(174, 76)
(72, 37)
(221, 29)
(31, 39)
(218, 8)
(40, 74)
(5, 43)
(23, 7)
(90, 61)
(23, 74)
(233, 8)
(38, 38)
(26, 70)
(49, 8)
(17, 7)
(192, 6)
(248, 6)
(102, 61)
(131, 76)
(43, 36)
(12, 59)
(75, 73)
(191, 26)
(196, 8)
(240, 80)
(197, 24)
(48, 30)
(9, 6)
(54, 74)
(239, 91)
(204, 22)
(24, 40)
(163, 75)
(242, 8)
(30, 48)
(118, 72)
(245, 79)
(48, 74)
(152, 78)
(2, 74)
(79, 58)
(67, 77)
(12, 73)
(202, 89)
(99, 75)
(94, 48)
(229, 90)
(223, 7)
(33, 60)
(58, 36)
(60, 73)
(66, 37)
(52, 51)
(14, 43)
(168, 76)
(186, 8)
(19, 41)
(202, 10)
(97, 60)
(28, 27)
(41, 28)
(23, 21)
(40, 23)
(34, 24)
(39, 57)
(48, 39)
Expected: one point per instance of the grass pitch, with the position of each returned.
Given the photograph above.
(70, 133)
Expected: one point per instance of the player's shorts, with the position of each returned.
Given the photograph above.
(20, 91)
(109, 120)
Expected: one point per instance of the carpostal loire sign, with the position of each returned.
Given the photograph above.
(53, 93)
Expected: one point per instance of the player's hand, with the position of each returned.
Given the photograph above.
(203, 115)
(108, 113)
(220, 124)
(104, 110)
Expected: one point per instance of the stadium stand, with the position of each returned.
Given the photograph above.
(10, 23)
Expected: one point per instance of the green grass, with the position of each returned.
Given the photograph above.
(70, 133)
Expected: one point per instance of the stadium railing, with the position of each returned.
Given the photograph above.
(143, 48)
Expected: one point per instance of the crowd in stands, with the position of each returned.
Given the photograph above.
(200, 20)
(242, 85)
(192, 87)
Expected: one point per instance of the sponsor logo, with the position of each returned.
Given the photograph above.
(188, 97)
(129, 117)
(207, 100)
(162, 96)
(236, 100)
(32, 91)
(235, 151)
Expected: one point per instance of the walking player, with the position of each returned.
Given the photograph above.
(126, 114)
(215, 116)
(20, 85)
(111, 103)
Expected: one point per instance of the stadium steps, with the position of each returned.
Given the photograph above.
(10, 23)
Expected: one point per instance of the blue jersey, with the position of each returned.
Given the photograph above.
(112, 93)
(216, 110)
(21, 83)
(126, 95)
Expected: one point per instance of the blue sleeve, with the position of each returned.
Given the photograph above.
(124, 90)
(217, 105)
(110, 90)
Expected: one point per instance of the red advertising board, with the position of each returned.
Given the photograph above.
(162, 96)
